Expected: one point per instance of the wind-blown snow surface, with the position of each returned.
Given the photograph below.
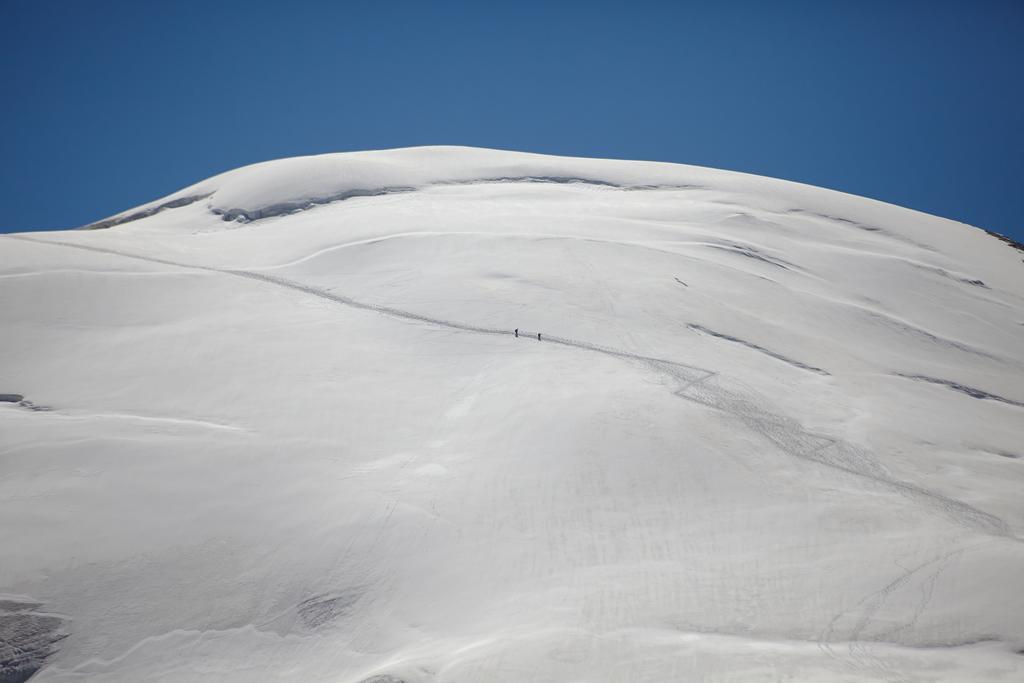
(770, 431)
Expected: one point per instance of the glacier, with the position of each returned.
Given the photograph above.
(295, 422)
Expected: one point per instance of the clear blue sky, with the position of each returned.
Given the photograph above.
(106, 105)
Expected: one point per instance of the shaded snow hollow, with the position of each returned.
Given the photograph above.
(279, 426)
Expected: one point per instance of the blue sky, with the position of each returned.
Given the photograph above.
(110, 104)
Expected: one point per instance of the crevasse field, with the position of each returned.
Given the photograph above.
(278, 426)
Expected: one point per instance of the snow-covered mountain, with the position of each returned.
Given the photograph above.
(280, 426)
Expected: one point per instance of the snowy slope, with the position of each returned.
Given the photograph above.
(277, 426)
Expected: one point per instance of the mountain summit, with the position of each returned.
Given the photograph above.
(453, 415)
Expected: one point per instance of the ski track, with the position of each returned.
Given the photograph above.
(859, 651)
(696, 384)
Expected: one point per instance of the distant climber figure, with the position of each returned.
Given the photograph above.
(538, 336)
(517, 333)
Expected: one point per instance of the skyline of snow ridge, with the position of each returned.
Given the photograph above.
(909, 103)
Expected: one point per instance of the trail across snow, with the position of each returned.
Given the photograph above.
(785, 433)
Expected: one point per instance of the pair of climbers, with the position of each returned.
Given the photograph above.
(517, 334)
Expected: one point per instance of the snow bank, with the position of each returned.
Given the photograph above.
(769, 431)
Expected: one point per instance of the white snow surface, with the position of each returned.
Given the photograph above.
(770, 431)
